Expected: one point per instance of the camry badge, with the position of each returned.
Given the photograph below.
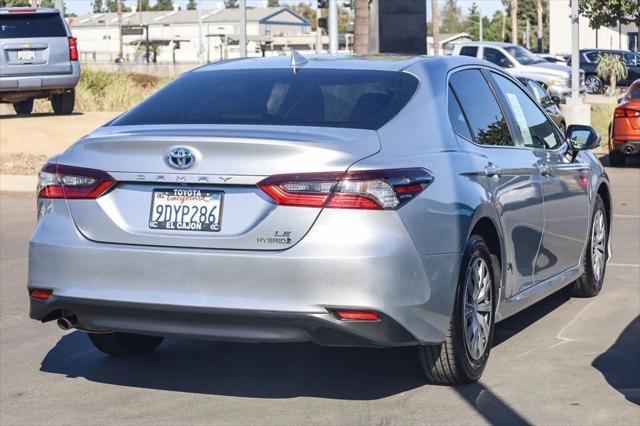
(181, 158)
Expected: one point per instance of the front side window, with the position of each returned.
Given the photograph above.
(362, 99)
(535, 129)
(632, 59)
(488, 125)
(496, 57)
(523, 56)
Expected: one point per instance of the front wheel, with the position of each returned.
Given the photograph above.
(594, 84)
(462, 357)
(125, 344)
(595, 258)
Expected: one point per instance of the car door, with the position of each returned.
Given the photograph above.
(496, 57)
(564, 183)
(504, 173)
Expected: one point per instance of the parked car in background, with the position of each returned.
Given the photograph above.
(589, 62)
(549, 103)
(342, 200)
(624, 131)
(520, 62)
(38, 59)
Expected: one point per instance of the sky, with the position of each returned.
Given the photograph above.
(80, 7)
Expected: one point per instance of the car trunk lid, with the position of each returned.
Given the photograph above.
(230, 160)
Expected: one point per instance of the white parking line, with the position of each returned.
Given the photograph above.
(627, 216)
(624, 265)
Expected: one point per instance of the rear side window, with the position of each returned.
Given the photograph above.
(634, 92)
(535, 129)
(456, 117)
(31, 25)
(469, 51)
(362, 99)
(487, 123)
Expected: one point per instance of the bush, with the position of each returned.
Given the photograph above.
(108, 91)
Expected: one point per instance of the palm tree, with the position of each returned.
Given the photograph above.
(361, 27)
(435, 26)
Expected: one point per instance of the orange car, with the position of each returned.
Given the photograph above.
(624, 136)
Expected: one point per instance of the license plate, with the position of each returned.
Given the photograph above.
(26, 55)
(186, 210)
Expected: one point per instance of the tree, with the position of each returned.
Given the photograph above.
(451, 18)
(612, 68)
(534, 11)
(307, 12)
(273, 3)
(143, 5)
(472, 22)
(361, 27)
(163, 5)
(14, 3)
(514, 21)
(608, 13)
(192, 5)
(97, 6)
(112, 6)
(231, 4)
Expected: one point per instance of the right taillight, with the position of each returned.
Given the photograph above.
(626, 112)
(72, 183)
(73, 49)
(369, 190)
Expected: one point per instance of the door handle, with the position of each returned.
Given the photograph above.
(545, 170)
(492, 170)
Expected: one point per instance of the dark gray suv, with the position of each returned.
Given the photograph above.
(38, 59)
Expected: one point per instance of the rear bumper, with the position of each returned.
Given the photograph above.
(347, 260)
(13, 87)
(628, 147)
(222, 324)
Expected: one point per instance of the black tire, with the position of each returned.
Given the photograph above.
(125, 344)
(63, 104)
(589, 284)
(451, 363)
(24, 107)
(617, 159)
(594, 84)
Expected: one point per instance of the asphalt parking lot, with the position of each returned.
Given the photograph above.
(563, 361)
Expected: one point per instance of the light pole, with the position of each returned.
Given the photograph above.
(575, 45)
(243, 28)
(333, 26)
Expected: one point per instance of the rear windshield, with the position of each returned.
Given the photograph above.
(361, 99)
(28, 25)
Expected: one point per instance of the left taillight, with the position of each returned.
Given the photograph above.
(369, 190)
(73, 49)
(72, 183)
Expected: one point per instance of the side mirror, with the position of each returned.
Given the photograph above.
(556, 100)
(582, 138)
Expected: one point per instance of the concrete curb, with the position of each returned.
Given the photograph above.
(18, 183)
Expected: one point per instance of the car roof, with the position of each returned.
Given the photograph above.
(607, 50)
(488, 43)
(27, 10)
(380, 62)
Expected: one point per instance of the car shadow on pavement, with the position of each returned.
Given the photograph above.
(33, 115)
(632, 161)
(620, 364)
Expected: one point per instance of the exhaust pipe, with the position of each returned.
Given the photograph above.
(65, 324)
(628, 149)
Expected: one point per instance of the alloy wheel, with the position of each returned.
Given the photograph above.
(598, 245)
(593, 84)
(477, 308)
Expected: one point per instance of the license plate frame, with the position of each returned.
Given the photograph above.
(182, 198)
(26, 55)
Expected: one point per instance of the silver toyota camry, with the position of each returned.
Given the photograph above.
(344, 200)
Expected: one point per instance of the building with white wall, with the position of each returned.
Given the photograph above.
(624, 37)
(191, 36)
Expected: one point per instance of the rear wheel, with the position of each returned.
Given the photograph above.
(462, 357)
(125, 344)
(617, 159)
(24, 107)
(595, 258)
(63, 104)
(594, 84)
